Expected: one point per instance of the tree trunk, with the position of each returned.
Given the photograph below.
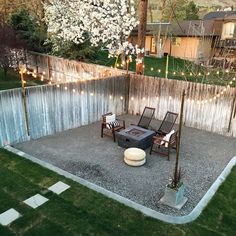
(141, 34)
(5, 73)
(159, 42)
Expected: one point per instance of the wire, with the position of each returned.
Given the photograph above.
(175, 16)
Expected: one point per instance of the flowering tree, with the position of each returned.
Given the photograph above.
(102, 22)
(11, 49)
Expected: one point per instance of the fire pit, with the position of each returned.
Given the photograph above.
(135, 136)
(135, 132)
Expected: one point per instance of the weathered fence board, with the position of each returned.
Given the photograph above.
(12, 120)
(164, 95)
(53, 109)
(63, 70)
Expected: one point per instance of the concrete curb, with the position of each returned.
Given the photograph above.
(145, 210)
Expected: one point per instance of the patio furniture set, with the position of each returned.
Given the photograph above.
(137, 138)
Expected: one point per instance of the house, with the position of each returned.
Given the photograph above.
(213, 37)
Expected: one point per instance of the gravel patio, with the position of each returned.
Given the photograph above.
(84, 153)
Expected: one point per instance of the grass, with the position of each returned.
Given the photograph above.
(178, 69)
(13, 80)
(80, 211)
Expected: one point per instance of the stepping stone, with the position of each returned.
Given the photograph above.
(9, 216)
(36, 201)
(59, 187)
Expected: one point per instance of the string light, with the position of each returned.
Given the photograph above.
(218, 95)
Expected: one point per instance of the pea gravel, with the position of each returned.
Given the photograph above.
(83, 152)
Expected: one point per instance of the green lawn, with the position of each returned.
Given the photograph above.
(178, 69)
(80, 211)
(13, 80)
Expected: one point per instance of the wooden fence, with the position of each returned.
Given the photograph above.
(63, 70)
(12, 120)
(53, 109)
(201, 110)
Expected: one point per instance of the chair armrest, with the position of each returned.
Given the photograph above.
(123, 121)
(107, 114)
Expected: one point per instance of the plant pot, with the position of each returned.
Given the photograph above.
(174, 197)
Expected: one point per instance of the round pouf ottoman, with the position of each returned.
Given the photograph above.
(134, 157)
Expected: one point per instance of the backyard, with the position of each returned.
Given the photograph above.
(80, 211)
(70, 77)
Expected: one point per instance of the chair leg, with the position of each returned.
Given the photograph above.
(168, 153)
(151, 149)
(102, 131)
(114, 135)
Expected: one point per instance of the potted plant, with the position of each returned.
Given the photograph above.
(174, 191)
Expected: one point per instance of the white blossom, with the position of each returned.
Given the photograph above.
(108, 22)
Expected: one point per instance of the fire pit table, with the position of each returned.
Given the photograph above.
(135, 136)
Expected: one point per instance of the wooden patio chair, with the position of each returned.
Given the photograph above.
(146, 117)
(110, 125)
(167, 123)
(163, 145)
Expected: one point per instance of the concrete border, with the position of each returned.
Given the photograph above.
(145, 210)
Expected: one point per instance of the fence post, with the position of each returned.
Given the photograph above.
(127, 89)
(232, 111)
(23, 92)
(49, 69)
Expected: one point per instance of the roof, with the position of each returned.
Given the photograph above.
(193, 28)
(219, 15)
(184, 28)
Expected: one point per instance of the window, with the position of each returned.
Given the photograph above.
(228, 30)
(176, 41)
(153, 45)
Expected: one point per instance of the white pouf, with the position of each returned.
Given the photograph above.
(134, 157)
